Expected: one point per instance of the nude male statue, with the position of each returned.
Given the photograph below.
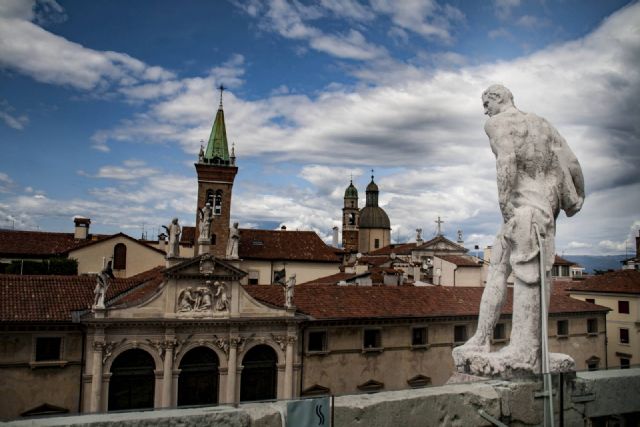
(538, 175)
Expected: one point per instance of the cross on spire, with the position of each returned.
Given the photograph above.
(221, 88)
(439, 223)
(371, 174)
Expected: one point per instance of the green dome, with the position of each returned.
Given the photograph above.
(351, 192)
(374, 217)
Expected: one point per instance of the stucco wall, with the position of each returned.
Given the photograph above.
(344, 365)
(367, 236)
(617, 320)
(139, 257)
(26, 384)
(304, 271)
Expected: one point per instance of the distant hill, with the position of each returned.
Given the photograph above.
(597, 262)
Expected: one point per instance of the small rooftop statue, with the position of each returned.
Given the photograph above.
(205, 215)
(173, 230)
(102, 285)
(234, 240)
(289, 288)
(538, 175)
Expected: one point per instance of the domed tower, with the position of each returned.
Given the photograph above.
(374, 231)
(350, 216)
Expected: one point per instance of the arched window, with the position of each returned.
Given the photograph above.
(198, 380)
(352, 218)
(132, 381)
(213, 239)
(209, 198)
(120, 256)
(217, 204)
(259, 376)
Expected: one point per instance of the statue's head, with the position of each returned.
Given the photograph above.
(235, 225)
(496, 99)
(174, 221)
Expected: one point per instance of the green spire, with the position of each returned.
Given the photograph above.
(217, 148)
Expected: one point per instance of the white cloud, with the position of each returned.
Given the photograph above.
(131, 170)
(504, 8)
(7, 115)
(6, 183)
(530, 21)
(48, 58)
(351, 9)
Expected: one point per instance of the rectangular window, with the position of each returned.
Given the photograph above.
(372, 339)
(254, 277)
(562, 329)
(459, 334)
(555, 271)
(419, 336)
(624, 336)
(623, 307)
(317, 341)
(48, 348)
(624, 363)
(592, 326)
(591, 300)
(499, 332)
(592, 366)
(377, 243)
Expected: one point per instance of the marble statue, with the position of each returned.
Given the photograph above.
(221, 297)
(205, 215)
(418, 234)
(538, 175)
(288, 291)
(201, 154)
(102, 284)
(173, 230)
(232, 244)
(186, 300)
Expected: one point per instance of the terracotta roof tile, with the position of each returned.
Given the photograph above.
(333, 279)
(18, 243)
(561, 261)
(284, 245)
(622, 281)
(53, 298)
(350, 302)
(460, 261)
(397, 248)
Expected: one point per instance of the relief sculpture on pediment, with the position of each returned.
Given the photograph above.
(204, 299)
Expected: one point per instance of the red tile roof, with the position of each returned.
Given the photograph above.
(460, 261)
(561, 261)
(18, 243)
(333, 279)
(398, 249)
(622, 281)
(352, 302)
(53, 298)
(284, 245)
(86, 243)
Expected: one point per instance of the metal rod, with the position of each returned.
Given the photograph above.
(544, 336)
(491, 419)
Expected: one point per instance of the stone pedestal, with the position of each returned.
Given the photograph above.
(171, 261)
(204, 246)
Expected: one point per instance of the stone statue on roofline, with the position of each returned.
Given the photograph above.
(538, 175)
(102, 285)
(234, 240)
(289, 288)
(173, 230)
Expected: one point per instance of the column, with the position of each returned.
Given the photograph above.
(167, 374)
(232, 370)
(288, 368)
(96, 377)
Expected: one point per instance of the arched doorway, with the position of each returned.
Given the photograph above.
(259, 375)
(132, 381)
(198, 380)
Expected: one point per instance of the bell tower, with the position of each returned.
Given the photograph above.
(216, 171)
(350, 218)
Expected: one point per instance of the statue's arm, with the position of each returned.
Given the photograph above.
(502, 147)
(573, 165)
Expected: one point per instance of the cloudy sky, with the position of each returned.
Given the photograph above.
(103, 105)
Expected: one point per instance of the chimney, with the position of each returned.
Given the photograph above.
(283, 228)
(81, 231)
(487, 254)
(334, 242)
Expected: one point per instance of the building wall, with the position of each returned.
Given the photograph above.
(26, 384)
(344, 365)
(304, 271)
(139, 257)
(452, 275)
(368, 236)
(616, 321)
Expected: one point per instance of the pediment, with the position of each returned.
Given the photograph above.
(441, 244)
(206, 265)
(316, 390)
(199, 289)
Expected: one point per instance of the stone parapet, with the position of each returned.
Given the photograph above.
(586, 396)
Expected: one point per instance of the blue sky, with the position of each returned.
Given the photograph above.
(103, 105)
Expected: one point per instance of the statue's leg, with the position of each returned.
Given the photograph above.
(493, 299)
